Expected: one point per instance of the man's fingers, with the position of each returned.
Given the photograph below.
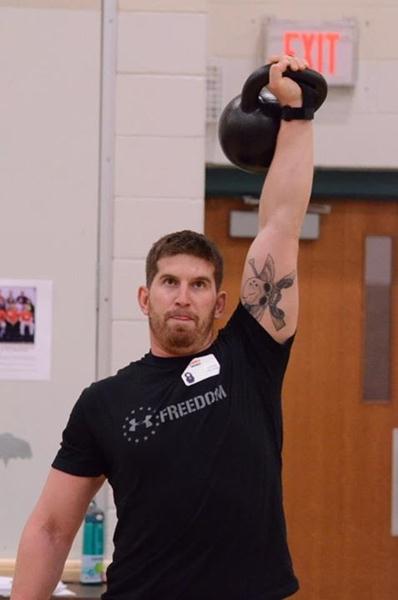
(302, 63)
(275, 73)
(281, 65)
(293, 63)
(288, 61)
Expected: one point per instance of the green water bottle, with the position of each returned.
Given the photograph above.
(92, 567)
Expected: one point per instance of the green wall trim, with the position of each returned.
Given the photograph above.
(328, 183)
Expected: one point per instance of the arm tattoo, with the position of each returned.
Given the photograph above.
(261, 292)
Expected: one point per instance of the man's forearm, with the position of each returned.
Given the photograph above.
(287, 187)
(40, 561)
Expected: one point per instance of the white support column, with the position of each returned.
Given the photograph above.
(106, 187)
(105, 201)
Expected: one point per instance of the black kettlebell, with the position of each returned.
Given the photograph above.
(249, 124)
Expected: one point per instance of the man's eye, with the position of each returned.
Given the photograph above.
(200, 284)
(169, 281)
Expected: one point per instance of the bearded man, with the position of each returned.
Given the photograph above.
(189, 437)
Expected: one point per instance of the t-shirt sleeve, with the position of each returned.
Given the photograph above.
(261, 349)
(80, 453)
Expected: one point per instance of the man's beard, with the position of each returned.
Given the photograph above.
(181, 337)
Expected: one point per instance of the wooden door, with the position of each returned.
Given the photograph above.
(337, 449)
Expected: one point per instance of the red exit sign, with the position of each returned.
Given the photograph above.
(329, 47)
(318, 48)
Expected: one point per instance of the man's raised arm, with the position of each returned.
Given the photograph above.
(269, 288)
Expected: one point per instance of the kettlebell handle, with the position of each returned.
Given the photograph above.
(260, 78)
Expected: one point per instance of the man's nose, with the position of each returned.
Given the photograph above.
(182, 297)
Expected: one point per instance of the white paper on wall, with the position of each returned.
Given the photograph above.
(25, 329)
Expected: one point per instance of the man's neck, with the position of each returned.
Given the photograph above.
(159, 350)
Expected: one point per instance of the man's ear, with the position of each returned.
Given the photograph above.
(143, 298)
(220, 304)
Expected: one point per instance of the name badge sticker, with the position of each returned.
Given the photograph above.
(200, 368)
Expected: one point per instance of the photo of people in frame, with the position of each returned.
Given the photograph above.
(17, 314)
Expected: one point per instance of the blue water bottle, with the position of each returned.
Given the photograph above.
(92, 566)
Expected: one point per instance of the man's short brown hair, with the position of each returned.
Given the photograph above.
(184, 242)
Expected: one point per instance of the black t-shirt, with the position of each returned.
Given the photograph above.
(194, 459)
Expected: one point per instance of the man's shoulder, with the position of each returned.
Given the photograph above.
(112, 383)
(235, 321)
(243, 327)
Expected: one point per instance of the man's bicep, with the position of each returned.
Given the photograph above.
(269, 289)
(64, 501)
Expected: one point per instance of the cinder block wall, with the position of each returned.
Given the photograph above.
(357, 128)
(159, 152)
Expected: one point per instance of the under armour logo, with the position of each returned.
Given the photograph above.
(138, 429)
(134, 423)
